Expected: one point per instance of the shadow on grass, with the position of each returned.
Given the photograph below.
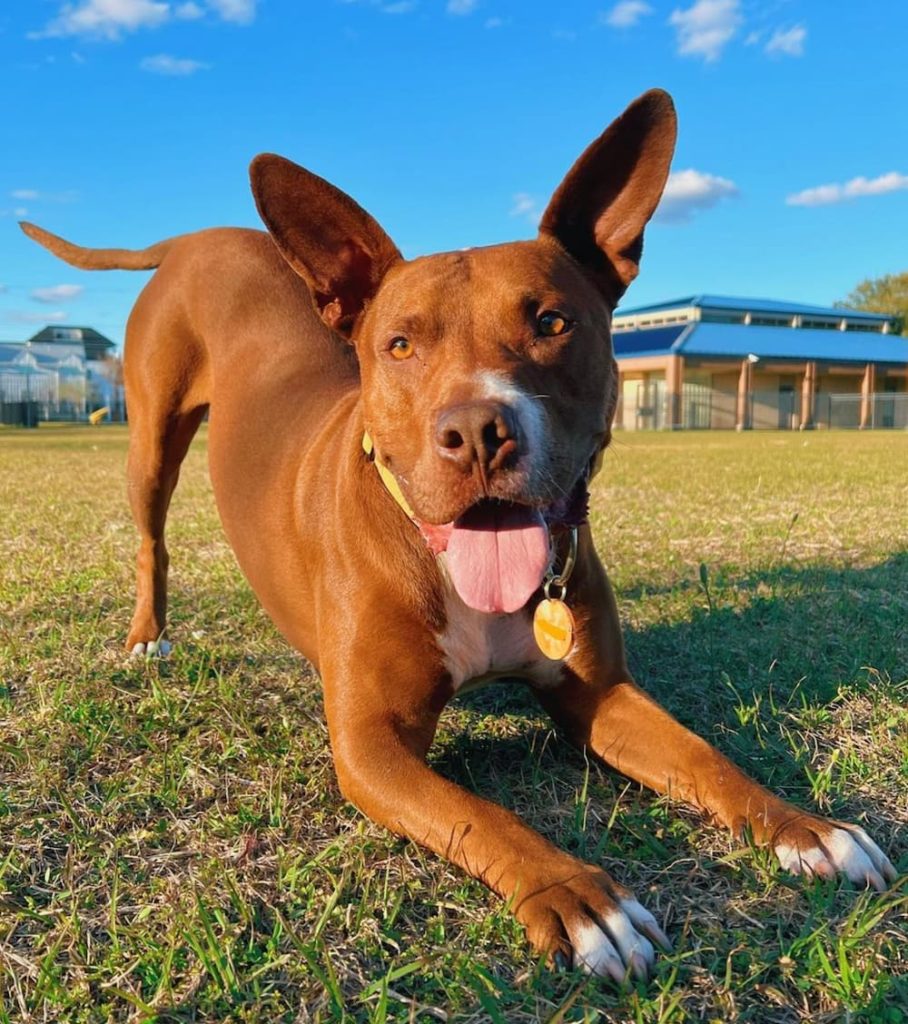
(785, 638)
(771, 648)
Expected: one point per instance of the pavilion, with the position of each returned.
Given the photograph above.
(724, 362)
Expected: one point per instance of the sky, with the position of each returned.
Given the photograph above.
(452, 122)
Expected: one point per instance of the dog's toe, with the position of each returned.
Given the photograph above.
(837, 849)
(645, 923)
(594, 953)
(589, 922)
(151, 649)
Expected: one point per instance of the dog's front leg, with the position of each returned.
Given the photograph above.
(601, 708)
(382, 713)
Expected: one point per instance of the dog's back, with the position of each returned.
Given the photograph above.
(225, 324)
(222, 303)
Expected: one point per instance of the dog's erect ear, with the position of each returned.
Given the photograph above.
(600, 209)
(330, 241)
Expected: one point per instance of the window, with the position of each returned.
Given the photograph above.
(723, 318)
(770, 321)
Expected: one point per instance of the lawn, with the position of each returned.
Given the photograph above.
(173, 845)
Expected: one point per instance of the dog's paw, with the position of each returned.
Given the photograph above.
(151, 649)
(588, 922)
(813, 846)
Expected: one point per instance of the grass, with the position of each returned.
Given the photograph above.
(173, 846)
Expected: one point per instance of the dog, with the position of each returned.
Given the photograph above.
(410, 507)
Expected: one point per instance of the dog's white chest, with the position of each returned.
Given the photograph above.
(477, 647)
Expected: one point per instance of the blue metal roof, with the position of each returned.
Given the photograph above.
(754, 306)
(795, 343)
(652, 341)
(736, 341)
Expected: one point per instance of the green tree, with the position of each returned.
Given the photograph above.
(886, 294)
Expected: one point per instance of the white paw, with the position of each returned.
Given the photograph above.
(153, 649)
(614, 946)
(846, 849)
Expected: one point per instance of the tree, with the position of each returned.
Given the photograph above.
(886, 294)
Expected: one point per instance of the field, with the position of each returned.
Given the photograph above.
(173, 845)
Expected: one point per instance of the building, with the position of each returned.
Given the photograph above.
(715, 361)
(59, 373)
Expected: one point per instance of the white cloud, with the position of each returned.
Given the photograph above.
(705, 28)
(394, 7)
(787, 42)
(33, 195)
(109, 19)
(57, 293)
(242, 12)
(165, 64)
(689, 191)
(626, 13)
(106, 18)
(188, 11)
(565, 35)
(3, 289)
(462, 6)
(495, 22)
(20, 211)
(823, 195)
(525, 206)
(58, 316)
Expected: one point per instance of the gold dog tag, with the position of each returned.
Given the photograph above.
(553, 627)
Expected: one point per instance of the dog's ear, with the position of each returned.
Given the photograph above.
(600, 209)
(330, 241)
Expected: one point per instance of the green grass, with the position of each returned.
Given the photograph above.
(173, 846)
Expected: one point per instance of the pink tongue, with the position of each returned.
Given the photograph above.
(497, 556)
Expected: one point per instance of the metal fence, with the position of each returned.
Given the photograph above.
(888, 411)
(30, 412)
(644, 408)
(647, 407)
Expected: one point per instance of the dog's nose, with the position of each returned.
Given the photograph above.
(482, 434)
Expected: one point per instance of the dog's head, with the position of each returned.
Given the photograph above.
(488, 380)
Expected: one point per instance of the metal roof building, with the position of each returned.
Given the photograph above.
(724, 361)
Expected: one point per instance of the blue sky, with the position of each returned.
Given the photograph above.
(452, 121)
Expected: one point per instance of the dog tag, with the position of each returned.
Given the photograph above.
(553, 627)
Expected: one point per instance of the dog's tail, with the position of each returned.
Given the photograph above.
(98, 259)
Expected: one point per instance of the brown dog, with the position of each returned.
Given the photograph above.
(405, 568)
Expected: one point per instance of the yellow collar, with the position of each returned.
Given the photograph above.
(387, 477)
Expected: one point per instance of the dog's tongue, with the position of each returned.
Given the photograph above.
(497, 556)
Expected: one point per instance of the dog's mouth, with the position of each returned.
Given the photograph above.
(497, 552)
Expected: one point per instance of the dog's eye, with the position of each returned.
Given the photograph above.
(401, 348)
(551, 323)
